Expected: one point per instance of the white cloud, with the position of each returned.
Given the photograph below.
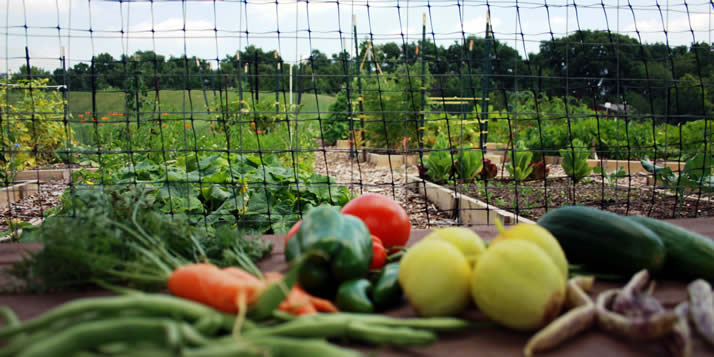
(558, 20)
(678, 30)
(478, 24)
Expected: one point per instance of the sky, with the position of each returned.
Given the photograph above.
(214, 29)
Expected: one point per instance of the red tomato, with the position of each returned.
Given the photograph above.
(379, 254)
(384, 218)
(292, 231)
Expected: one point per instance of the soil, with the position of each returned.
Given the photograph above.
(32, 207)
(362, 177)
(534, 196)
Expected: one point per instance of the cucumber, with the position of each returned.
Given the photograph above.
(689, 255)
(603, 241)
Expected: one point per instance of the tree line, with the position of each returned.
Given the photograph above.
(593, 66)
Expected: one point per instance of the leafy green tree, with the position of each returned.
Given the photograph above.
(392, 105)
(35, 73)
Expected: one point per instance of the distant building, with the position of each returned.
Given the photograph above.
(610, 109)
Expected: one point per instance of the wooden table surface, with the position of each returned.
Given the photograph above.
(493, 341)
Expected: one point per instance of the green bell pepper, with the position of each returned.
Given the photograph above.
(353, 296)
(387, 292)
(341, 245)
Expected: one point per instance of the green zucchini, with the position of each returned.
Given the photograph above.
(603, 241)
(689, 255)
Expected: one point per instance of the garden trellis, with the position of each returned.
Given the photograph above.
(247, 113)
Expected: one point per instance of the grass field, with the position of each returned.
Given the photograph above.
(177, 101)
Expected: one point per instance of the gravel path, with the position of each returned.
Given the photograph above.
(363, 177)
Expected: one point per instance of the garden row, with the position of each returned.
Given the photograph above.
(544, 124)
(537, 281)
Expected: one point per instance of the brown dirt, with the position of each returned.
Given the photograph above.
(535, 196)
(363, 177)
(31, 208)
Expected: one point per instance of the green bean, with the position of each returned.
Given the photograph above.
(230, 348)
(192, 335)
(364, 327)
(151, 303)
(139, 351)
(281, 315)
(296, 347)
(9, 316)
(9, 319)
(20, 341)
(384, 335)
(92, 334)
(12, 348)
(426, 323)
(304, 327)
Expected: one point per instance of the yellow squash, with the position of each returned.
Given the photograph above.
(518, 285)
(435, 277)
(538, 236)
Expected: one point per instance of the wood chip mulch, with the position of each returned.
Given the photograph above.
(362, 177)
(31, 207)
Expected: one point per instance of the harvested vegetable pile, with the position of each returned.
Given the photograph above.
(345, 265)
(104, 234)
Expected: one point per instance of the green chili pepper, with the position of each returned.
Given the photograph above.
(387, 292)
(353, 296)
(342, 246)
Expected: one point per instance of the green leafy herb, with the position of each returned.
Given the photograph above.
(575, 161)
(469, 164)
(439, 163)
(520, 166)
(613, 176)
(118, 236)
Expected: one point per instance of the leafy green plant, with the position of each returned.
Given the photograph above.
(439, 163)
(461, 131)
(469, 164)
(10, 163)
(697, 172)
(613, 176)
(337, 124)
(260, 196)
(520, 166)
(26, 142)
(94, 236)
(575, 161)
(392, 106)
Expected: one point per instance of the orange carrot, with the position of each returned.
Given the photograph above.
(242, 274)
(299, 302)
(208, 284)
(323, 305)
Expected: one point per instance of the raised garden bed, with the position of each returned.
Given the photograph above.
(468, 209)
(64, 174)
(530, 199)
(384, 160)
(630, 166)
(17, 192)
(534, 197)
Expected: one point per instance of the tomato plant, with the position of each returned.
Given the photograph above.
(384, 218)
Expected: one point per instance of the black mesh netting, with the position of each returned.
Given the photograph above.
(247, 113)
